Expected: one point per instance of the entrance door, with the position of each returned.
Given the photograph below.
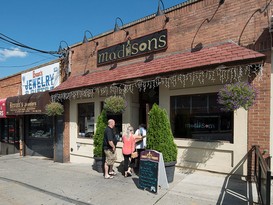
(38, 135)
(146, 100)
(9, 136)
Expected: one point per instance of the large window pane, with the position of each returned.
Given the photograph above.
(4, 130)
(86, 119)
(200, 117)
(40, 126)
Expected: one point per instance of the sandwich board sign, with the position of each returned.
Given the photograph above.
(152, 173)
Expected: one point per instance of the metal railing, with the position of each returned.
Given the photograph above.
(262, 176)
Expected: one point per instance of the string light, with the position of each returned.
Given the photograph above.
(224, 74)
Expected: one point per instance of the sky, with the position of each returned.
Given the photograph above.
(44, 24)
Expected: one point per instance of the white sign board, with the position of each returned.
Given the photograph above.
(42, 79)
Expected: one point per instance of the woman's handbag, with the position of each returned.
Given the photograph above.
(134, 155)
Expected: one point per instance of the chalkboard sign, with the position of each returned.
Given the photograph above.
(148, 171)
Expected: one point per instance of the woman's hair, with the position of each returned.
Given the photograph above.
(129, 129)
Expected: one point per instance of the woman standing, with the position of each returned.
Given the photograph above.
(129, 146)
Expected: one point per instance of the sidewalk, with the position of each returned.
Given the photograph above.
(36, 180)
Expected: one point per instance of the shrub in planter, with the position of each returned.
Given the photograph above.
(160, 138)
(54, 108)
(236, 95)
(114, 104)
(98, 141)
(99, 134)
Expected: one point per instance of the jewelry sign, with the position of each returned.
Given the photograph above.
(152, 172)
(133, 47)
(42, 79)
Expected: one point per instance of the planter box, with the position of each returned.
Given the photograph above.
(98, 164)
(170, 169)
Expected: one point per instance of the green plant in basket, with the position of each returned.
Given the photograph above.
(237, 95)
(114, 104)
(54, 108)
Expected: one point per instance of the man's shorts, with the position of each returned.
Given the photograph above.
(111, 157)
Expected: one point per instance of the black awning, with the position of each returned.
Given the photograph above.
(27, 104)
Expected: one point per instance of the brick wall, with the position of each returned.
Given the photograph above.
(10, 86)
(66, 136)
(227, 24)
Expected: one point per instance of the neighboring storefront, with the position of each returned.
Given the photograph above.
(36, 125)
(26, 113)
(9, 129)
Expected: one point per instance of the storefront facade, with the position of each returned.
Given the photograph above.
(8, 131)
(26, 127)
(35, 126)
(180, 61)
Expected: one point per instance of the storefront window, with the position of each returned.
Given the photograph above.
(40, 126)
(86, 120)
(200, 117)
(8, 131)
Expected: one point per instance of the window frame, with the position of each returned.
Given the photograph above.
(211, 112)
(86, 135)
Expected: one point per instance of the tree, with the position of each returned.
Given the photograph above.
(99, 134)
(159, 135)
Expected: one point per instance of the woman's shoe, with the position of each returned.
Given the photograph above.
(113, 173)
(126, 174)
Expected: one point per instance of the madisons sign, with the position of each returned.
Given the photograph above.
(133, 47)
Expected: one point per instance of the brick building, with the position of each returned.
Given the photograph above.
(24, 125)
(179, 60)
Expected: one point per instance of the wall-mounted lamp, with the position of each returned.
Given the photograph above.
(63, 51)
(85, 40)
(161, 12)
(117, 28)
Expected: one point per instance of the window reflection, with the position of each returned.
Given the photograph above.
(40, 126)
(86, 120)
(200, 117)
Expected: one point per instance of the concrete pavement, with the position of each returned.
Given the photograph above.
(37, 180)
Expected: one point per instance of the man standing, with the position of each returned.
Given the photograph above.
(109, 147)
(140, 145)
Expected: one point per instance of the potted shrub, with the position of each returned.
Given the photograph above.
(98, 141)
(160, 138)
(114, 104)
(236, 95)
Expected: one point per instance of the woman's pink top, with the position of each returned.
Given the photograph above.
(129, 144)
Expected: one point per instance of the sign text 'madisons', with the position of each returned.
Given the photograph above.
(133, 47)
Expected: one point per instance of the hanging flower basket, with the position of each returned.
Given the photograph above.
(54, 108)
(114, 104)
(236, 95)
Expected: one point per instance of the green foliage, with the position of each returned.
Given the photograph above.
(159, 135)
(99, 134)
(114, 104)
(54, 108)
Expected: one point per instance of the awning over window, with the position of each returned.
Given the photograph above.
(222, 54)
(3, 108)
(27, 104)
